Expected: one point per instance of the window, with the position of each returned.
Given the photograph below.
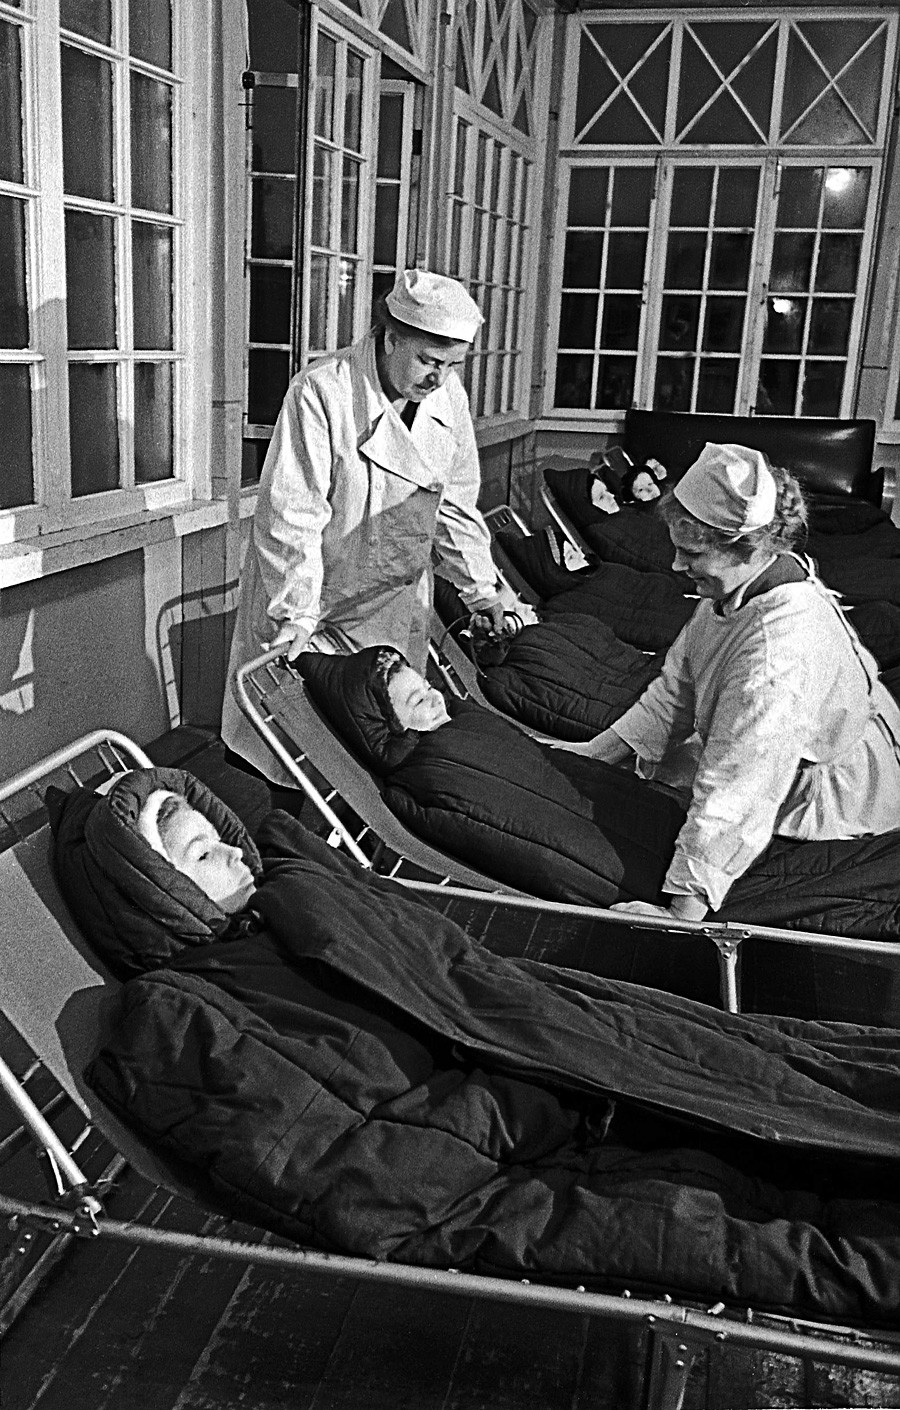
(91, 232)
(309, 258)
(719, 182)
(500, 54)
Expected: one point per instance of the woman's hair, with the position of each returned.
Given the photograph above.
(788, 524)
(387, 663)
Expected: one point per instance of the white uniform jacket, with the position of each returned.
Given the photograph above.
(797, 736)
(350, 505)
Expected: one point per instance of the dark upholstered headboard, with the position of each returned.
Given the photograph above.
(828, 457)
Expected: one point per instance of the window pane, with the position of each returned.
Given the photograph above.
(822, 386)
(829, 326)
(274, 129)
(674, 383)
(583, 257)
(838, 266)
(11, 165)
(632, 189)
(273, 36)
(90, 280)
(87, 125)
(625, 261)
(615, 383)
(151, 253)
(577, 320)
(253, 455)
(846, 197)
(717, 385)
(150, 31)
(326, 68)
(729, 265)
(800, 196)
(13, 288)
(153, 399)
(93, 428)
(684, 260)
(680, 322)
(91, 18)
(270, 304)
(390, 135)
(621, 321)
(792, 258)
(587, 195)
(724, 325)
(777, 391)
(736, 195)
(318, 301)
(350, 206)
(16, 482)
(573, 380)
(353, 103)
(785, 321)
(268, 377)
(272, 218)
(151, 144)
(320, 219)
(387, 216)
(346, 302)
(691, 196)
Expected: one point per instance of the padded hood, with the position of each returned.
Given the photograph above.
(346, 692)
(136, 910)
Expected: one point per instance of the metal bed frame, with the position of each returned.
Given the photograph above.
(38, 980)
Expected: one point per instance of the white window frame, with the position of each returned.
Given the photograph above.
(54, 509)
(406, 91)
(345, 38)
(460, 260)
(669, 154)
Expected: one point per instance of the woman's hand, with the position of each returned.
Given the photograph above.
(294, 637)
(642, 908)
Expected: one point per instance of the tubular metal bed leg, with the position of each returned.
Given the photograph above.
(670, 1366)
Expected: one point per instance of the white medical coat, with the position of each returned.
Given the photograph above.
(795, 734)
(351, 504)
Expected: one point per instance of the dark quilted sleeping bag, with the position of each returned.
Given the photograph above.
(646, 610)
(568, 677)
(542, 820)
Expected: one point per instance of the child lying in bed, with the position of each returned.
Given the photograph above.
(470, 783)
(338, 1062)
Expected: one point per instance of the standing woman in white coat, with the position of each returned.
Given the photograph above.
(372, 466)
(768, 711)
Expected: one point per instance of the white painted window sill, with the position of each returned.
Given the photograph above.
(41, 555)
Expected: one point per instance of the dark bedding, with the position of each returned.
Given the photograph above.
(559, 826)
(854, 544)
(568, 677)
(646, 610)
(343, 1066)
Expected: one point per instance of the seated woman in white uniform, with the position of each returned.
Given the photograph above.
(768, 711)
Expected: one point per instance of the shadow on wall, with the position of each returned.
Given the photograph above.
(73, 657)
(194, 634)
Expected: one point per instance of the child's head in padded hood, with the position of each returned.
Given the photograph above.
(194, 847)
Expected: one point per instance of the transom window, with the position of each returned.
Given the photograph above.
(678, 288)
(91, 235)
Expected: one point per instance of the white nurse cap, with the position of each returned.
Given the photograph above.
(435, 304)
(729, 487)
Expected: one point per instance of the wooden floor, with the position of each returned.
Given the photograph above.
(116, 1328)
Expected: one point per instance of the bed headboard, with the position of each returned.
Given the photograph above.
(828, 456)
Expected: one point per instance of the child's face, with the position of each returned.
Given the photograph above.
(644, 488)
(416, 704)
(195, 848)
(602, 497)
